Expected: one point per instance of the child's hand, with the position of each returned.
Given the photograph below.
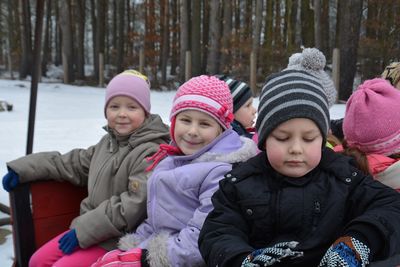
(68, 242)
(10, 180)
(271, 255)
(346, 252)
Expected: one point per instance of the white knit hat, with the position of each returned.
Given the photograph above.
(313, 61)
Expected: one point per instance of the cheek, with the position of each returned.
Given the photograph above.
(314, 155)
(274, 153)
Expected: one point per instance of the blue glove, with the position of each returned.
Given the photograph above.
(68, 242)
(271, 255)
(346, 252)
(10, 180)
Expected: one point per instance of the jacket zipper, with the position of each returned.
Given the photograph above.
(316, 214)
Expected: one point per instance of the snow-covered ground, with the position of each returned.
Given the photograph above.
(67, 117)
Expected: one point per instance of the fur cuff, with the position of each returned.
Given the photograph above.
(128, 242)
(157, 251)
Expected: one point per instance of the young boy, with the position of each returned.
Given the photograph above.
(243, 109)
(298, 203)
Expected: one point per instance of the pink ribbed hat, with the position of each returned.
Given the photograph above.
(130, 83)
(207, 94)
(372, 119)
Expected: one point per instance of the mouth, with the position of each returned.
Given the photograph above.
(192, 143)
(294, 162)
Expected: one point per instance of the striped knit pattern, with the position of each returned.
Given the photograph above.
(240, 91)
(207, 94)
(287, 95)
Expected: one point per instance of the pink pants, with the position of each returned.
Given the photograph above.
(50, 255)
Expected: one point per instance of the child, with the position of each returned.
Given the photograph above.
(243, 109)
(113, 170)
(392, 74)
(204, 148)
(372, 130)
(298, 203)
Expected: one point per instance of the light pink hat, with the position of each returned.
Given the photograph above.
(372, 119)
(130, 83)
(207, 94)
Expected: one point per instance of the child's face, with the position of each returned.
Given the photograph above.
(194, 130)
(294, 147)
(246, 114)
(124, 115)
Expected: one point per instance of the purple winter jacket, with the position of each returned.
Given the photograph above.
(179, 199)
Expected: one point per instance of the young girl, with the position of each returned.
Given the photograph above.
(243, 109)
(372, 130)
(113, 171)
(204, 148)
(298, 203)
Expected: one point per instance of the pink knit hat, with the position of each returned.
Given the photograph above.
(130, 83)
(372, 119)
(207, 94)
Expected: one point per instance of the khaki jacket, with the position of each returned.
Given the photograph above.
(114, 172)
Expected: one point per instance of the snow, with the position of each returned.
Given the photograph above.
(67, 117)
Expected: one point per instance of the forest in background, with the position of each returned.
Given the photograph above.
(221, 37)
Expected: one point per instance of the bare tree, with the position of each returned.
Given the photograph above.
(67, 45)
(195, 37)
(184, 36)
(349, 13)
(121, 36)
(26, 39)
(226, 36)
(165, 42)
(80, 14)
(215, 24)
(175, 36)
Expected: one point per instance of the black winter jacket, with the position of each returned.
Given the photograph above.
(256, 207)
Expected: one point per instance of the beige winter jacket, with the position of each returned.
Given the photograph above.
(113, 171)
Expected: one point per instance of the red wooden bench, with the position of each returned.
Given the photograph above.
(40, 211)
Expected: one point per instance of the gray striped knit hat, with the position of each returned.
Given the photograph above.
(287, 95)
(240, 91)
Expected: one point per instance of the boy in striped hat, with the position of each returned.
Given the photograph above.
(243, 109)
(298, 203)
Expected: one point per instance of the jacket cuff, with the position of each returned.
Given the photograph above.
(368, 235)
(143, 259)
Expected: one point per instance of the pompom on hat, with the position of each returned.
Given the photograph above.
(130, 83)
(313, 61)
(372, 119)
(207, 94)
(287, 95)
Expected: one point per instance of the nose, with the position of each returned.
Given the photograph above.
(122, 113)
(295, 147)
(192, 130)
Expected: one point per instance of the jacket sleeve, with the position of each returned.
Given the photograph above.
(223, 240)
(181, 249)
(118, 214)
(72, 166)
(376, 217)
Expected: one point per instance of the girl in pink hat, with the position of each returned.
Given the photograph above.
(113, 170)
(203, 149)
(371, 128)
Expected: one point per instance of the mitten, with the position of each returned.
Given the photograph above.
(346, 252)
(271, 255)
(68, 242)
(116, 258)
(10, 180)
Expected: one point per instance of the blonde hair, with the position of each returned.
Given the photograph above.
(392, 73)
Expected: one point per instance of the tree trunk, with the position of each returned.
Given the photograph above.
(121, 36)
(165, 45)
(95, 49)
(307, 24)
(100, 32)
(226, 37)
(213, 56)
(184, 38)
(205, 35)
(80, 40)
(175, 36)
(66, 32)
(195, 37)
(58, 41)
(325, 30)
(46, 41)
(349, 31)
(26, 40)
(317, 24)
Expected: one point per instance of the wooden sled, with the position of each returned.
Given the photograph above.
(40, 211)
